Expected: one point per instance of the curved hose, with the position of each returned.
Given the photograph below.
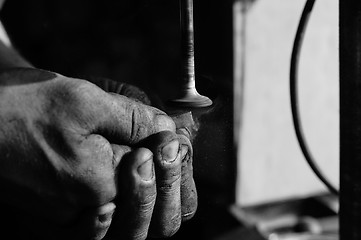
(293, 91)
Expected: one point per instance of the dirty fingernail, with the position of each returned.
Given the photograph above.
(145, 170)
(183, 151)
(106, 212)
(170, 151)
(106, 217)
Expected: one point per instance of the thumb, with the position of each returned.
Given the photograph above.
(119, 119)
(125, 121)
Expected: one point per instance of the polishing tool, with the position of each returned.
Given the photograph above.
(188, 96)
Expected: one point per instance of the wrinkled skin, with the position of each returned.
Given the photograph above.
(83, 163)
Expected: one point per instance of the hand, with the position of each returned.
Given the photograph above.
(79, 161)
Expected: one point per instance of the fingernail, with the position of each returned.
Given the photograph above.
(170, 151)
(145, 170)
(106, 212)
(105, 217)
(183, 151)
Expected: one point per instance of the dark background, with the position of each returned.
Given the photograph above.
(131, 41)
(138, 41)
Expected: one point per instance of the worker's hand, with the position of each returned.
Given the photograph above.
(82, 163)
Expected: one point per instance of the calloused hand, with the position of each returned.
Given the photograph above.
(82, 163)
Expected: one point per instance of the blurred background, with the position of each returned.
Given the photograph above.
(252, 179)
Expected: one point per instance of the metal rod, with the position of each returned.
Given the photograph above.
(187, 42)
(350, 119)
(188, 97)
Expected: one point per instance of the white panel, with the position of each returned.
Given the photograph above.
(271, 165)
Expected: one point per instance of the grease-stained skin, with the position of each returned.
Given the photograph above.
(84, 163)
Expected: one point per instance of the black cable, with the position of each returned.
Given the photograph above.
(293, 91)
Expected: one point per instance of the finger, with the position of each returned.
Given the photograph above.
(90, 178)
(189, 197)
(93, 168)
(118, 153)
(123, 120)
(96, 222)
(136, 199)
(121, 88)
(93, 111)
(185, 124)
(139, 120)
(166, 218)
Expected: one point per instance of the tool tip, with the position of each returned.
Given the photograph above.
(191, 100)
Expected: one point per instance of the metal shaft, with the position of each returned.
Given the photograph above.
(350, 119)
(188, 97)
(187, 42)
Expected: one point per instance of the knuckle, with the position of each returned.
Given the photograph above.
(169, 188)
(147, 121)
(64, 92)
(141, 235)
(146, 204)
(138, 125)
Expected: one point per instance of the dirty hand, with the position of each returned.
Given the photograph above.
(82, 163)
